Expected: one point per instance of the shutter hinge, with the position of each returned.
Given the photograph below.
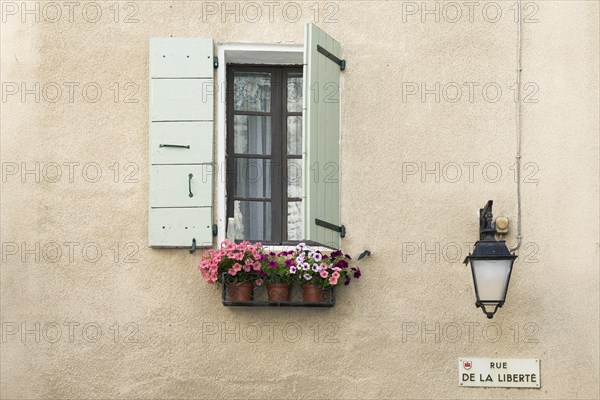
(216, 62)
(327, 225)
(215, 230)
(341, 63)
(193, 248)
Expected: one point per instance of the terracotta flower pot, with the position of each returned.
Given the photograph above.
(312, 293)
(278, 291)
(240, 291)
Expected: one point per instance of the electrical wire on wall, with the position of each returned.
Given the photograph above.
(518, 128)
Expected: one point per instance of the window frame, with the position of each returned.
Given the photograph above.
(241, 53)
(278, 153)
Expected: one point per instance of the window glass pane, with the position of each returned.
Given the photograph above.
(252, 91)
(252, 178)
(252, 134)
(294, 220)
(294, 177)
(252, 220)
(294, 135)
(294, 92)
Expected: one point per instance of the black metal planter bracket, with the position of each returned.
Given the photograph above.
(328, 54)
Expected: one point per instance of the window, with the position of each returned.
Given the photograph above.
(264, 152)
(265, 131)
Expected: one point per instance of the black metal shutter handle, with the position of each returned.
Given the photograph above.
(190, 185)
(186, 146)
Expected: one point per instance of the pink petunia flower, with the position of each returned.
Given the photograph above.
(324, 274)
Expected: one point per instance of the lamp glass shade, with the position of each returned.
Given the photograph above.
(491, 278)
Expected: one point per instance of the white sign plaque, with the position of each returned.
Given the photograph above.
(499, 372)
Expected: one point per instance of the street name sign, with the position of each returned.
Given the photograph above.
(499, 372)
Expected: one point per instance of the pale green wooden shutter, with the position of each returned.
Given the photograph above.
(321, 136)
(181, 142)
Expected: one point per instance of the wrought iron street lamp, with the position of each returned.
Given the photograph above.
(491, 265)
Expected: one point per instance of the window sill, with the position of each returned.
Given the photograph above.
(279, 248)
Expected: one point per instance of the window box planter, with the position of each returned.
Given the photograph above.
(260, 297)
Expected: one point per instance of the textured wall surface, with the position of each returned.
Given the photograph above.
(140, 323)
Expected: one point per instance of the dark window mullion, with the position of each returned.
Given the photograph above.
(260, 199)
(252, 113)
(283, 152)
(277, 168)
(230, 175)
(253, 156)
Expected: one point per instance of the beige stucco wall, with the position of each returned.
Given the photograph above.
(363, 349)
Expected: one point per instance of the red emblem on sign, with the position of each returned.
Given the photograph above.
(467, 364)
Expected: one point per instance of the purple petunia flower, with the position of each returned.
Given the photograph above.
(306, 266)
(272, 264)
(317, 256)
(346, 280)
(342, 264)
(289, 262)
(336, 253)
(357, 273)
(292, 269)
(307, 277)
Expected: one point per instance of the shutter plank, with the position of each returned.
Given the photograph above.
(170, 186)
(197, 135)
(181, 58)
(321, 187)
(332, 129)
(181, 100)
(177, 227)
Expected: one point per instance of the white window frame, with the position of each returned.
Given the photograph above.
(242, 53)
